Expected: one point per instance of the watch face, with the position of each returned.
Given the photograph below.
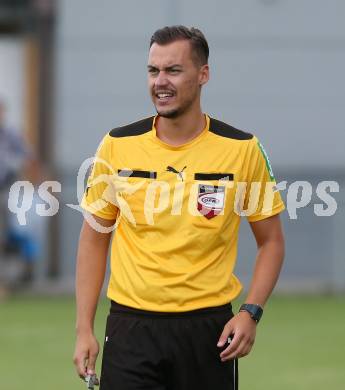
(255, 311)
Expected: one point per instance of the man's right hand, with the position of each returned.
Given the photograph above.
(85, 354)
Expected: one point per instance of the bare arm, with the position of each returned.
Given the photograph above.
(270, 255)
(270, 241)
(90, 272)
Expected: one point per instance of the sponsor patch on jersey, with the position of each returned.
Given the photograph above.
(210, 200)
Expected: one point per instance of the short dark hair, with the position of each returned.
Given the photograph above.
(198, 42)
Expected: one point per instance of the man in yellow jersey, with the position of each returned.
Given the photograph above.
(175, 185)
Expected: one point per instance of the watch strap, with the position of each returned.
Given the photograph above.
(254, 310)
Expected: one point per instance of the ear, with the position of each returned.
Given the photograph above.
(204, 74)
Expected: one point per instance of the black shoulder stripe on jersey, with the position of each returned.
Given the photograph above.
(225, 130)
(136, 128)
(137, 173)
(213, 176)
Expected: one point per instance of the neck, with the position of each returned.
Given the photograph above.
(178, 131)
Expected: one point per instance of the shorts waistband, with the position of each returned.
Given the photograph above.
(119, 308)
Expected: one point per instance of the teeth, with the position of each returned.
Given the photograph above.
(164, 95)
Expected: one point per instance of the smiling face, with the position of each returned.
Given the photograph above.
(174, 78)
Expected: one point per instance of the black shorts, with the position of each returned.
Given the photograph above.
(145, 350)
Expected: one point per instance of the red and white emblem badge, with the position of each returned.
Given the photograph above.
(210, 200)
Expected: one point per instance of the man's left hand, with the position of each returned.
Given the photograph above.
(242, 329)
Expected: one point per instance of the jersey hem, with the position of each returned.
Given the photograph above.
(156, 307)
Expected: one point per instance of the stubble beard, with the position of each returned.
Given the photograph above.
(177, 112)
(172, 114)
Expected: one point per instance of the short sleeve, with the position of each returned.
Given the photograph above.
(99, 183)
(262, 198)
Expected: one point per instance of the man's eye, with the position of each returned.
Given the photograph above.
(153, 71)
(175, 71)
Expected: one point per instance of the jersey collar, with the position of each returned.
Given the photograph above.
(186, 145)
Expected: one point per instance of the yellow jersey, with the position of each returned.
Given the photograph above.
(178, 212)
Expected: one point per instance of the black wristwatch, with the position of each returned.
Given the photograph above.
(255, 311)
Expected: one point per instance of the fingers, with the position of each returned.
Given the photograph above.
(234, 344)
(92, 360)
(227, 331)
(239, 347)
(85, 364)
(243, 329)
(79, 361)
(85, 355)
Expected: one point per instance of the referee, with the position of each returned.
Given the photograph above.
(176, 186)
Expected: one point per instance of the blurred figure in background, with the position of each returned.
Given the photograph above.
(13, 152)
(17, 162)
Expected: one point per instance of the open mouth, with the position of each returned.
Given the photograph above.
(165, 96)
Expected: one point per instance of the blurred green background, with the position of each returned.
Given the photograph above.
(300, 344)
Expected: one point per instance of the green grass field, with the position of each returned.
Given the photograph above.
(300, 345)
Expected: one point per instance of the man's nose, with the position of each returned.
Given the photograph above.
(161, 79)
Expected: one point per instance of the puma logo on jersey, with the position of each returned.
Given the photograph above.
(179, 173)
